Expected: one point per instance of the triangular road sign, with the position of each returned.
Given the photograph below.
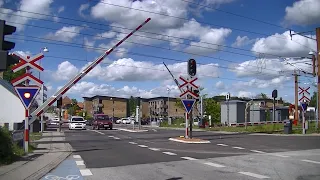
(304, 106)
(188, 104)
(27, 94)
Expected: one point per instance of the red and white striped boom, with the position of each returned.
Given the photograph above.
(78, 77)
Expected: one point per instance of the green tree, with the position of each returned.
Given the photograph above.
(132, 105)
(212, 108)
(73, 107)
(262, 96)
(9, 75)
(313, 100)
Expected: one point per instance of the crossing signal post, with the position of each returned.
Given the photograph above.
(5, 58)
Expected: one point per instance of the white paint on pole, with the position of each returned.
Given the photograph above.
(210, 120)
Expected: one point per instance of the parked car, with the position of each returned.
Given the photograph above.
(77, 122)
(118, 121)
(102, 121)
(126, 121)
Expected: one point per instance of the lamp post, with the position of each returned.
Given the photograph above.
(112, 108)
(44, 49)
(169, 119)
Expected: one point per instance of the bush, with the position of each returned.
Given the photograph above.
(6, 146)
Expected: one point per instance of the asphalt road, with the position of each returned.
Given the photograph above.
(115, 154)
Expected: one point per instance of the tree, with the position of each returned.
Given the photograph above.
(213, 109)
(313, 100)
(262, 96)
(132, 105)
(73, 107)
(9, 75)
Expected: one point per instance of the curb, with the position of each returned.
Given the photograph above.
(46, 169)
(128, 130)
(189, 142)
(302, 135)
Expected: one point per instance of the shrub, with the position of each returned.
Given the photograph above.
(6, 146)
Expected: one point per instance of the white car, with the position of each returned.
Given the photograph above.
(126, 121)
(77, 122)
(55, 121)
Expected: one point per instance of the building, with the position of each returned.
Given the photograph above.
(233, 110)
(11, 108)
(112, 106)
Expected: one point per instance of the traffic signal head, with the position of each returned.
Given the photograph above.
(7, 60)
(59, 102)
(192, 67)
(6, 30)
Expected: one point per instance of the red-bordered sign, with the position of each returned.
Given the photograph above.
(27, 62)
(25, 77)
(304, 98)
(188, 82)
(302, 90)
(188, 92)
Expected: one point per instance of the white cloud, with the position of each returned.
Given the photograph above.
(303, 12)
(105, 35)
(242, 41)
(89, 45)
(220, 85)
(282, 45)
(61, 9)
(126, 69)
(27, 9)
(65, 71)
(82, 8)
(245, 94)
(24, 53)
(66, 34)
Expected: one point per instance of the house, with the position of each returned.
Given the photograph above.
(11, 108)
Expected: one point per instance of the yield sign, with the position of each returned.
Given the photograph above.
(188, 104)
(304, 106)
(27, 94)
(26, 62)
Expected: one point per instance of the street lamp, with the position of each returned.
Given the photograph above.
(44, 49)
(112, 108)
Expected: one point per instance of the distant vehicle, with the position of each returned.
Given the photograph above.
(77, 122)
(118, 121)
(54, 121)
(102, 121)
(126, 121)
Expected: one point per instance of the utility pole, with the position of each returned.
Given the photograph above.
(296, 96)
(318, 63)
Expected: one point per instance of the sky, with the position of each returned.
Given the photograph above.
(242, 47)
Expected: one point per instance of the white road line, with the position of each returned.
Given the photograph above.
(144, 146)
(79, 163)
(85, 172)
(132, 143)
(259, 176)
(189, 158)
(279, 155)
(154, 149)
(111, 136)
(237, 147)
(222, 145)
(154, 130)
(257, 151)
(116, 138)
(77, 156)
(169, 153)
(214, 164)
(98, 132)
(310, 161)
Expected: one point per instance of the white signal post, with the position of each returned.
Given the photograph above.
(78, 77)
(27, 93)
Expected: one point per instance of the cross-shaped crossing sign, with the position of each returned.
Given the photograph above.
(25, 62)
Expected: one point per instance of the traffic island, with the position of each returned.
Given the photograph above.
(189, 141)
(131, 130)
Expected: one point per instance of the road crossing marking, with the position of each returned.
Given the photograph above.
(279, 155)
(189, 158)
(116, 138)
(169, 153)
(259, 176)
(77, 156)
(257, 151)
(310, 161)
(222, 145)
(144, 146)
(111, 136)
(97, 132)
(154, 149)
(238, 147)
(132, 143)
(85, 172)
(154, 130)
(214, 164)
(79, 163)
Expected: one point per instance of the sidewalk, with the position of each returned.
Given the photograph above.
(51, 151)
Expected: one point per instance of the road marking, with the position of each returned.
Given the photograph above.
(85, 172)
(77, 156)
(98, 132)
(222, 145)
(154, 149)
(237, 147)
(154, 130)
(144, 146)
(116, 138)
(189, 158)
(279, 155)
(111, 136)
(214, 164)
(132, 143)
(257, 151)
(259, 176)
(310, 161)
(169, 153)
(79, 163)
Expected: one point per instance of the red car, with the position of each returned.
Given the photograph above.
(102, 121)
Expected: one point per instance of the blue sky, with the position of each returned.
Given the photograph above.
(235, 52)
